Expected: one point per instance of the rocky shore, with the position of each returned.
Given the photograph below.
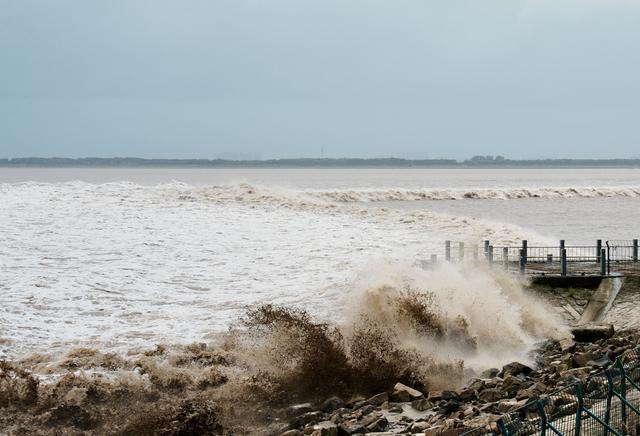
(405, 410)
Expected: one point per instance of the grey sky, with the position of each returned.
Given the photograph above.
(195, 78)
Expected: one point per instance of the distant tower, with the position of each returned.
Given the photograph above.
(322, 152)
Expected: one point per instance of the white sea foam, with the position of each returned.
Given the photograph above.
(121, 265)
(371, 195)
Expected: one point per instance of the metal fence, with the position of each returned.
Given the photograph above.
(610, 257)
(605, 403)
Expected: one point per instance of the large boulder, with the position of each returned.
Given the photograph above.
(404, 394)
(515, 368)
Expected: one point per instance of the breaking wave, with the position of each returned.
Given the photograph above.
(349, 196)
(428, 329)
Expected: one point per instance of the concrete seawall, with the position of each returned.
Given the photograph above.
(581, 300)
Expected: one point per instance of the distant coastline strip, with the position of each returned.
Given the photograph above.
(476, 162)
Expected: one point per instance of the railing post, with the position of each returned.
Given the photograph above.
(523, 261)
(524, 250)
(486, 248)
(461, 251)
(635, 250)
(598, 250)
(579, 392)
(490, 255)
(505, 257)
(561, 245)
(564, 262)
(603, 262)
(447, 251)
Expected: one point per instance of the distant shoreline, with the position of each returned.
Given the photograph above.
(392, 163)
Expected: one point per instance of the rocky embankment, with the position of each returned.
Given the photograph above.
(405, 410)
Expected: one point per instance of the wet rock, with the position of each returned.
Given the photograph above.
(435, 396)
(510, 405)
(575, 373)
(491, 395)
(351, 428)
(309, 418)
(602, 363)
(378, 425)
(325, 428)
(299, 409)
(396, 408)
(422, 404)
(466, 394)
(332, 404)
(379, 399)
(477, 384)
(532, 392)
(449, 407)
(404, 394)
(581, 359)
(419, 427)
(366, 409)
(515, 368)
(512, 385)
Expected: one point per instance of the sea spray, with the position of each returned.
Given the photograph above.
(430, 329)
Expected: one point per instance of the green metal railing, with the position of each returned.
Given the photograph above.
(619, 257)
(605, 403)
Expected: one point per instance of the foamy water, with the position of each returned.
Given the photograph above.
(132, 262)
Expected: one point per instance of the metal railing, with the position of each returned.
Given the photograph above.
(612, 257)
(605, 403)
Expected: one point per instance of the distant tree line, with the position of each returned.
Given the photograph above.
(475, 161)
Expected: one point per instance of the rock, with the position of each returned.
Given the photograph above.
(378, 425)
(325, 428)
(466, 394)
(419, 427)
(404, 394)
(379, 399)
(332, 404)
(309, 418)
(477, 384)
(592, 332)
(532, 392)
(292, 433)
(510, 405)
(491, 395)
(575, 373)
(299, 409)
(515, 368)
(581, 359)
(567, 344)
(421, 405)
(366, 409)
(351, 428)
(512, 385)
(449, 407)
(490, 373)
(396, 408)
(603, 362)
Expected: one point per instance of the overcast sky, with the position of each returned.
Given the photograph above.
(288, 78)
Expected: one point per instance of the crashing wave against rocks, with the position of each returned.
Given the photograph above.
(273, 357)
